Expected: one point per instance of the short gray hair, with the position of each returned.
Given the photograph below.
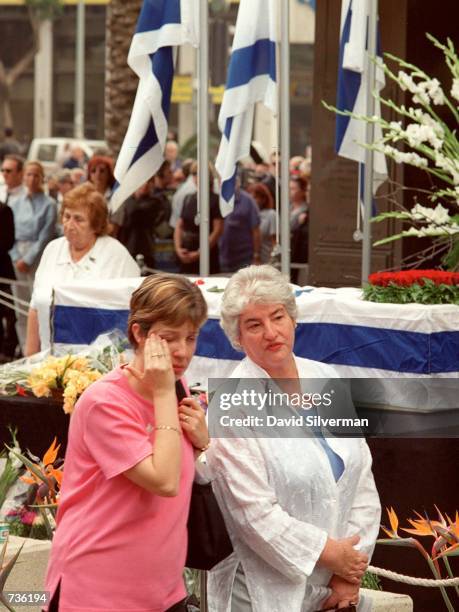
(254, 284)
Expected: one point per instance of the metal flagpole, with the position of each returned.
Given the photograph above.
(284, 109)
(79, 71)
(369, 138)
(203, 137)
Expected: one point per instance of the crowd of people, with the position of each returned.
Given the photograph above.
(158, 225)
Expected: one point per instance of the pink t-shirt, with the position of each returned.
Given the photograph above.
(117, 547)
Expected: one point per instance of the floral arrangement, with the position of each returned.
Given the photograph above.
(70, 375)
(445, 534)
(64, 377)
(428, 143)
(44, 477)
(421, 286)
(26, 523)
(10, 471)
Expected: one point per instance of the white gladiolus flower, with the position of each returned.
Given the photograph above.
(408, 158)
(418, 134)
(421, 97)
(450, 166)
(438, 215)
(395, 126)
(455, 89)
(432, 230)
(431, 144)
(435, 91)
(406, 82)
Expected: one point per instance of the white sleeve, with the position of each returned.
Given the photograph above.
(126, 266)
(365, 514)
(253, 514)
(41, 274)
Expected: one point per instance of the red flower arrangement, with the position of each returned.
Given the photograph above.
(413, 286)
(406, 278)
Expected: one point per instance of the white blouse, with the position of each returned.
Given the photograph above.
(280, 501)
(108, 258)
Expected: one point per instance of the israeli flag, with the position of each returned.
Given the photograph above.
(162, 25)
(352, 90)
(251, 79)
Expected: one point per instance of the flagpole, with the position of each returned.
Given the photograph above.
(203, 137)
(79, 71)
(369, 138)
(284, 108)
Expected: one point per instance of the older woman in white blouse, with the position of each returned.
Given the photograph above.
(303, 513)
(84, 252)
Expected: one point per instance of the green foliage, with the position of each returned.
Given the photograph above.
(45, 9)
(10, 473)
(37, 531)
(371, 581)
(7, 478)
(428, 293)
(451, 259)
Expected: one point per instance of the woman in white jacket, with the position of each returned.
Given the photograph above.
(303, 513)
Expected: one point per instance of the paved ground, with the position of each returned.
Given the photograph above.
(29, 571)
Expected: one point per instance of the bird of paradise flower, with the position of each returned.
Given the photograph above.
(47, 479)
(445, 533)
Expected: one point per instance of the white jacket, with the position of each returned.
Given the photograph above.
(280, 501)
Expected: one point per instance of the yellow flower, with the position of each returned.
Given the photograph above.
(41, 389)
(72, 374)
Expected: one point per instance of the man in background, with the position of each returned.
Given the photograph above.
(9, 146)
(12, 167)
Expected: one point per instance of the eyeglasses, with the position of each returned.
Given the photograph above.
(7, 170)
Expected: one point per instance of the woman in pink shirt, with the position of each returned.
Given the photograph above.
(120, 543)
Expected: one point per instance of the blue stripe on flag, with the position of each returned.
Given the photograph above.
(78, 325)
(351, 345)
(228, 126)
(160, 27)
(253, 55)
(348, 85)
(228, 187)
(373, 347)
(355, 345)
(212, 342)
(163, 68)
(155, 13)
(148, 142)
(252, 61)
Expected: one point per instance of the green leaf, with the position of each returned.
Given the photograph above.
(31, 466)
(395, 214)
(447, 553)
(451, 259)
(389, 239)
(404, 542)
(5, 572)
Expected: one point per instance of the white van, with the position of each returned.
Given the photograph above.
(51, 152)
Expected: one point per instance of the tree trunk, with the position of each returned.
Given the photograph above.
(121, 82)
